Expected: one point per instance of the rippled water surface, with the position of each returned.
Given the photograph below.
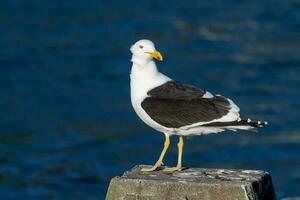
(66, 122)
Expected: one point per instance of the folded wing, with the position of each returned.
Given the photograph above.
(176, 105)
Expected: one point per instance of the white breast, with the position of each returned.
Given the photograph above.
(143, 79)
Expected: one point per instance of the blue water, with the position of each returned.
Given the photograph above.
(66, 122)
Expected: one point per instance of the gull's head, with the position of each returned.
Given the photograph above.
(145, 50)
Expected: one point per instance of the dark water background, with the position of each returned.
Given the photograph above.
(66, 122)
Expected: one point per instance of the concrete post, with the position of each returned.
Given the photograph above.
(192, 184)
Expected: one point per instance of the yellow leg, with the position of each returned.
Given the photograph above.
(179, 162)
(159, 162)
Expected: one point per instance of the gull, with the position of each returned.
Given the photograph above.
(175, 108)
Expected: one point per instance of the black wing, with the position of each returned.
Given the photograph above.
(176, 104)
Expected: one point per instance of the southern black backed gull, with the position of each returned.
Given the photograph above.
(175, 108)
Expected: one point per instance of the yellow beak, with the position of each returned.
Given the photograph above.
(156, 54)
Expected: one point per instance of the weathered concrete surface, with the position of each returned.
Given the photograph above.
(192, 184)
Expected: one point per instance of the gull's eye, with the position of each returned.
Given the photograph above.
(141, 46)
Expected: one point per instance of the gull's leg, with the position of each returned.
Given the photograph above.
(159, 162)
(179, 162)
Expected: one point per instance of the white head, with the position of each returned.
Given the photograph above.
(144, 51)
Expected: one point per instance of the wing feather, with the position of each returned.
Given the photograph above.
(176, 105)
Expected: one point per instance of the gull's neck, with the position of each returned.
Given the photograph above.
(145, 76)
(143, 67)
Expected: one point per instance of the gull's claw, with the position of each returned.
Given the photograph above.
(153, 168)
(172, 169)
